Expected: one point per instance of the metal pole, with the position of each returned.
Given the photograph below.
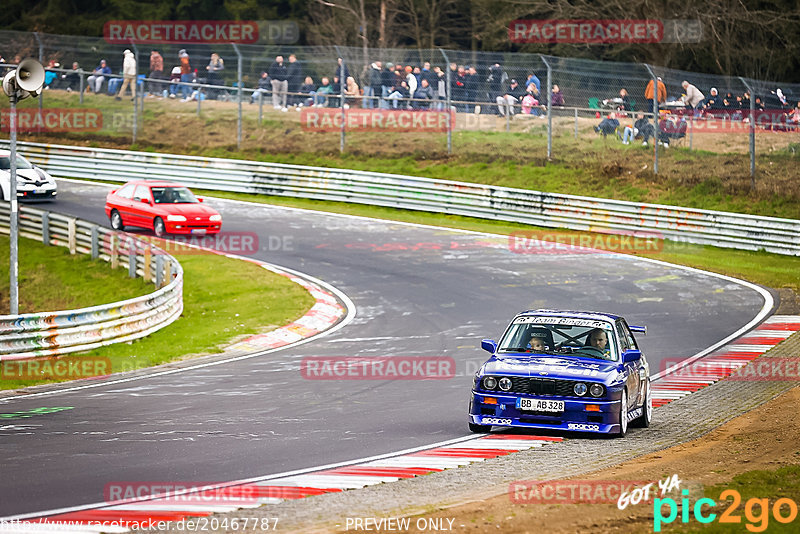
(82, 86)
(691, 129)
(260, 106)
(41, 94)
(342, 82)
(14, 259)
(549, 108)
(655, 117)
(752, 133)
(136, 95)
(576, 123)
(239, 79)
(447, 102)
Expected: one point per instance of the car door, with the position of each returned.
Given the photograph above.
(636, 379)
(631, 368)
(142, 207)
(122, 201)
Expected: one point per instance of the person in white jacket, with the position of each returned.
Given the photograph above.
(128, 74)
(693, 96)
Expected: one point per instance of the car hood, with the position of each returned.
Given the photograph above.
(187, 210)
(29, 175)
(543, 366)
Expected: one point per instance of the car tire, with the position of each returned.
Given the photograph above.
(158, 227)
(646, 418)
(623, 415)
(116, 221)
(479, 429)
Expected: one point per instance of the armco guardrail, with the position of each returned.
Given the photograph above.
(61, 332)
(689, 225)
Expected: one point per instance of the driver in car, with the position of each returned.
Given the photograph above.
(598, 339)
(537, 340)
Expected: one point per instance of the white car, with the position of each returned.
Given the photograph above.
(32, 182)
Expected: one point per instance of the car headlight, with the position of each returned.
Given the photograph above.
(215, 218)
(580, 389)
(596, 390)
(176, 218)
(505, 383)
(489, 382)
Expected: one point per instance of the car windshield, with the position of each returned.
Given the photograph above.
(173, 195)
(561, 336)
(5, 163)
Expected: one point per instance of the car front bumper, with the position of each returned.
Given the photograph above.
(579, 415)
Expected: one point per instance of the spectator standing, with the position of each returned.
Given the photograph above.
(471, 82)
(128, 74)
(294, 79)
(411, 81)
(660, 95)
(387, 84)
(156, 72)
(692, 96)
(99, 76)
(496, 81)
(441, 87)
(374, 85)
(215, 67)
(339, 65)
(278, 74)
(533, 80)
(186, 73)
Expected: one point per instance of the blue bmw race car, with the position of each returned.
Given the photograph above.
(563, 370)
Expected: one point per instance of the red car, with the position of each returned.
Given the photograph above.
(166, 207)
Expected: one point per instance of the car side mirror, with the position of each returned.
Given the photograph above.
(489, 345)
(145, 200)
(631, 355)
(199, 199)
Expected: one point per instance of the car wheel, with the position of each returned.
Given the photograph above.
(159, 228)
(644, 420)
(623, 415)
(479, 429)
(116, 221)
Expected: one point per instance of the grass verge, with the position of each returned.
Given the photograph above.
(247, 300)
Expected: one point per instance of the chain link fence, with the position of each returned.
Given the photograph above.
(433, 93)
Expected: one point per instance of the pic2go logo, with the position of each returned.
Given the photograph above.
(756, 511)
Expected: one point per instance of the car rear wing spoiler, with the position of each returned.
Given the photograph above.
(638, 329)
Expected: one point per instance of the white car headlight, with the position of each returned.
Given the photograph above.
(176, 218)
(215, 218)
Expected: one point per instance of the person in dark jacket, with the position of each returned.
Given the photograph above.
(513, 94)
(294, 78)
(387, 84)
(264, 87)
(424, 95)
(278, 74)
(373, 86)
(608, 125)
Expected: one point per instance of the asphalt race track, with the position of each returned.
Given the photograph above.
(418, 292)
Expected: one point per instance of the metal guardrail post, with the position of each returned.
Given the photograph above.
(147, 257)
(549, 108)
(159, 270)
(95, 242)
(71, 236)
(655, 117)
(752, 133)
(114, 251)
(46, 228)
(447, 102)
(131, 258)
(239, 96)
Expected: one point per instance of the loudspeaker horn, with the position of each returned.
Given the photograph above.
(28, 78)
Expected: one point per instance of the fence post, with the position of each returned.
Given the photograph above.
(147, 257)
(752, 133)
(447, 102)
(71, 241)
(114, 252)
(655, 116)
(342, 83)
(159, 271)
(549, 108)
(260, 107)
(95, 243)
(41, 61)
(46, 227)
(131, 259)
(83, 83)
(239, 96)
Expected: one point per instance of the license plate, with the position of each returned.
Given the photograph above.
(540, 405)
(198, 230)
